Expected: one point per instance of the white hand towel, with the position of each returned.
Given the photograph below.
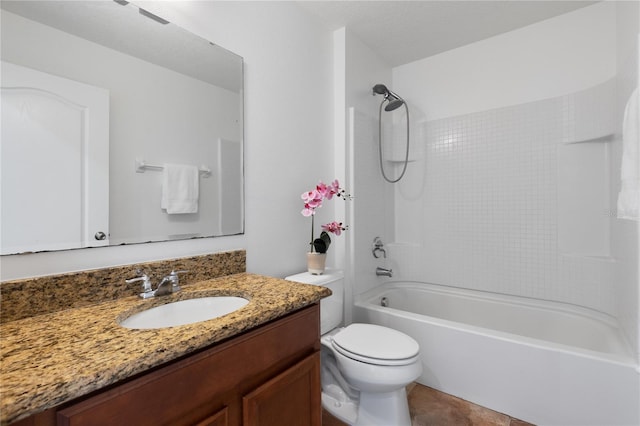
(629, 196)
(180, 188)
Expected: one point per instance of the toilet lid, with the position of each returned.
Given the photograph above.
(376, 344)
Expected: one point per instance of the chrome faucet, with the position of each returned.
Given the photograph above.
(168, 284)
(384, 272)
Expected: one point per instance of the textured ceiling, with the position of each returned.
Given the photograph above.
(405, 31)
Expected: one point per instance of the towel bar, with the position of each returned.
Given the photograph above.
(142, 166)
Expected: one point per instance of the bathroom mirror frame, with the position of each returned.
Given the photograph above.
(134, 194)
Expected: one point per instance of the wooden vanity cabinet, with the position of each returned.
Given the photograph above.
(267, 376)
(287, 399)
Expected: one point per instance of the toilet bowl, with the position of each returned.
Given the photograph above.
(364, 367)
(376, 363)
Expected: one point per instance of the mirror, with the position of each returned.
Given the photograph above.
(105, 108)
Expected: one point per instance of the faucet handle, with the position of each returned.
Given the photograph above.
(146, 283)
(175, 281)
(141, 277)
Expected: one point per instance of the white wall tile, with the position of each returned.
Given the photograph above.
(490, 207)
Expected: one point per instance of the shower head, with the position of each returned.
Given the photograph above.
(394, 104)
(380, 89)
(395, 101)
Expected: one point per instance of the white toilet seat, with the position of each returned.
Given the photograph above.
(377, 345)
(376, 361)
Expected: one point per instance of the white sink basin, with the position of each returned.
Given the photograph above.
(184, 312)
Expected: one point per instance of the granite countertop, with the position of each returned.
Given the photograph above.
(52, 358)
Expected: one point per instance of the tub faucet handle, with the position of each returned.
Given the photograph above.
(378, 246)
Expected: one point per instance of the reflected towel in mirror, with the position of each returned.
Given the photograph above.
(180, 188)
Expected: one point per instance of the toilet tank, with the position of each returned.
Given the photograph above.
(332, 307)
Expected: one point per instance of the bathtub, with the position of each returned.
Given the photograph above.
(543, 362)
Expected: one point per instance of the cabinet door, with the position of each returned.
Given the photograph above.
(291, 398)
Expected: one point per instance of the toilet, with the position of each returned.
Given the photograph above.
(364, 367)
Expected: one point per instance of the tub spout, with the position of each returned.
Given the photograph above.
(384, 272)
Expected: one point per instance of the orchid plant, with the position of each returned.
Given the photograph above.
(313, 200)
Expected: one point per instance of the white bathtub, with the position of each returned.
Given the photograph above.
(543, 362)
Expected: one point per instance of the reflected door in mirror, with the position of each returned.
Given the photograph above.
(53, 127)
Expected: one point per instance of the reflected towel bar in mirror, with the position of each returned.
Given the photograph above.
(142, 166)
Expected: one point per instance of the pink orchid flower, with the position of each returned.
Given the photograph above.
(334, 227)
(335, 186)
(322, 189)
(311, 196)
(326, 191)
(312, 201)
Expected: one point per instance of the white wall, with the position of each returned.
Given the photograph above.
(370, 215)
(288, 119)
(554, 57)
(288, 138)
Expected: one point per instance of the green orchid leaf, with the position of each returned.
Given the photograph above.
(322, 244)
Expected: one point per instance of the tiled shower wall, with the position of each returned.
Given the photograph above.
(513, 200)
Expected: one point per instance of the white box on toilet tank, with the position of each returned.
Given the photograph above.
(331, 308)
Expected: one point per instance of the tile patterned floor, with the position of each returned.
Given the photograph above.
(430, 407)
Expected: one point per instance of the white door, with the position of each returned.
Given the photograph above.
(55, 162)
